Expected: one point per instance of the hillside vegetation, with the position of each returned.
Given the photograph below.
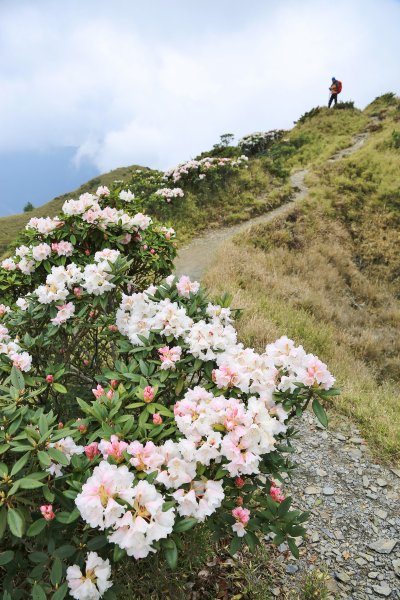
(328, 273)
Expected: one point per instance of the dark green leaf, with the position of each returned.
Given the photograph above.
(320, 412)
(15, 522)
(185, 525)
(6, 557)
(171, 556)
(38, 592)
(36, 527)
(56, 571)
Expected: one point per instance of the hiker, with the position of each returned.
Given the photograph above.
(334, 89)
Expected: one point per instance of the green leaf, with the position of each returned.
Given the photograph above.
(251, 540)
(44, 459)
(56, 571)
(58, 456)
(38, 592)
(185, 525)
(60, 388)
(65, 551)
(29, 484)
(66, 517)
(320, 412)
(6, 557)
(15, 522)
(293, 548)
(61, 592)
(38, 557)
(235, 545)
(17, 379)
(97, 542)
(20, 464)
(171, 555)
(284, 507)
(36, 527)
(3, 521)
(43, 427)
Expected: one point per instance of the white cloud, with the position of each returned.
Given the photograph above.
(98, 78)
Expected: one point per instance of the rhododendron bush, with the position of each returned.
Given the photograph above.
(130, 411)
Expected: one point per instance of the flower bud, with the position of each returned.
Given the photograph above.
(157, 419)
(239, 482)
(49, 378)
(114, 383)
(148, 393)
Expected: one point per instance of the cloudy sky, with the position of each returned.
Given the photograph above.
(87, 86)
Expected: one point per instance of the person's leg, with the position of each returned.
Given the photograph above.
(330, 101)
(335, 98)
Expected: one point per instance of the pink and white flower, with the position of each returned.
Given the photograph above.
(94, 583)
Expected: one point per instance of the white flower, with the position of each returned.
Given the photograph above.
(22, 303)
(8, 264)
(144, 523)
(141, 221)
(126, 195)
(41, 251)
(94, 583)
(201, 501)
(97, 501)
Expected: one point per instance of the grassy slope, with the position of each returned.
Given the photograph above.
(10, 226)
(328, 276)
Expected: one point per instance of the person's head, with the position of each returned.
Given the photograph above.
(333, 78)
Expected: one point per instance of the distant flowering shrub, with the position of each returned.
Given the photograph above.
(130, 411)
(196, 170)
(260, 141)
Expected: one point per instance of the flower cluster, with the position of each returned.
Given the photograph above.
(169, 193)
(259, 141)
(11, 348)
(199, 168)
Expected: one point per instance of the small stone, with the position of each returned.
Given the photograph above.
(355, 453)
(373, 574)
(339, 535)
(383, 546)
(381, 514)
(292, 569)
(371, 496)
(342, 576)
(365, 481)
(321, 473)
(311, 490)
(283, 547)
(276, 591)
(360, 561)
(382, 590)
(340, 437)
(315, 537)
(381, 482)
(396, 566)
(356, 440)
(328, 491)
(396, 471)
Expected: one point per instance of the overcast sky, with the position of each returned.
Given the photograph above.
(125, 81)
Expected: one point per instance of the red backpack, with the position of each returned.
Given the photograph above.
(339, 86)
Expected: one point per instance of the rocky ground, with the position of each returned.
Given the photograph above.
(354, 527)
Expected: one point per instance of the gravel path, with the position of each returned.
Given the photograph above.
(354, 527)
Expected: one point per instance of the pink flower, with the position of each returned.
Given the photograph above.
(152, 251)
(110, 394)
(276, 494)
(99, 391)
(82, 428)
(47, 512)
(157, 419)
(77, 292)
(114, 448)
(114, 383)
(145, 246)
(113, 328)
(242, 515)
(148, 393)
(92, 450)
(239, 482)
(49, 378)
(169, 356)
(127, 238)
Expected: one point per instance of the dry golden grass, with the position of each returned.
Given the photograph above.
(297, 277)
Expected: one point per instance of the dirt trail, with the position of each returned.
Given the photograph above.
(195, 258)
